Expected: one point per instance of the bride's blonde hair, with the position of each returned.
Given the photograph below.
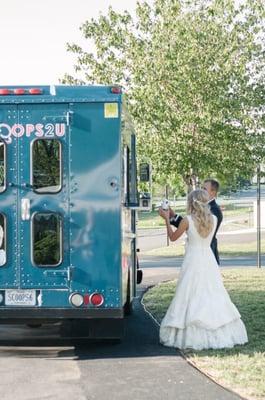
(198, 208)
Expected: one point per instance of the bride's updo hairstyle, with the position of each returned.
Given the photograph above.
(200, 212)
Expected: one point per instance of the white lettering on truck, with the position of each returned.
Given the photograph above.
(38, 130)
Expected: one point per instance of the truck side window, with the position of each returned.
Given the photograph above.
(47, 239)
(126, 174)
(2, 239)
(46, 166)
(2, 166)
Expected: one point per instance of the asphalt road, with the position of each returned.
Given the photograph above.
(149, 239)
(173, 262)
(48, 368)
(155, 238)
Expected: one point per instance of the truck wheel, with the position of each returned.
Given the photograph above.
(139, 276)
(34, 326)
(128, 308)
(139, 272)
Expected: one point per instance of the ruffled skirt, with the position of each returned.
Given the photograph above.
(201, 314)
(197, 338)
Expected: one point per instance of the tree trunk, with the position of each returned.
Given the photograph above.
(192, 181)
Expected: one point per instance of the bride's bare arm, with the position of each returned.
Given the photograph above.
(183, 226)
(174, 235)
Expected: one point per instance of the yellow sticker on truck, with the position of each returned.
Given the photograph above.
(111, 110)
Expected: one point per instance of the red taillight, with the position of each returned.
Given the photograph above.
(116, 90)
(35, 91)
(4, 92)
(96, 299)
(86, 299)
(19, 91)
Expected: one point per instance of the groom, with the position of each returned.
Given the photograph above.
(212, 187)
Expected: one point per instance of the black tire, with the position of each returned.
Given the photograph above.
(139, 276)
(128, 307)
(139, 272)
(34, 326)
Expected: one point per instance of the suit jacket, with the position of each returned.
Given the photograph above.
(215, 210)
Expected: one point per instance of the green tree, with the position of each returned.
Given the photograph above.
(187, 67)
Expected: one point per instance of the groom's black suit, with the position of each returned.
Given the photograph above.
(215, 210)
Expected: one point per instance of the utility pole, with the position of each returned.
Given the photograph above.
(258, 219)
(166, 195)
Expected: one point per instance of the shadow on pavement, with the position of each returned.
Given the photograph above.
(141, 340)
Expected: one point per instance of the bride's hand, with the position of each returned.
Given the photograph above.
(163, 213)
(171, 212)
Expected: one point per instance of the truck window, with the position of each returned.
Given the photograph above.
(47, 239)
(126, 174)
(130, 176)
(2, 239)
(46, 166)
(2, 166)
(133, 173)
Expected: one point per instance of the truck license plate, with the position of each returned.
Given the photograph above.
(20, 297)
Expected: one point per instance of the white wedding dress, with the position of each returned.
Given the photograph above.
(201, 314)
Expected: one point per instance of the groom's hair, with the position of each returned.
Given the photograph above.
(214, 184)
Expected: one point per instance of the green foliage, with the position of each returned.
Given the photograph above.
(46, 250)
(46, 163)
(46, 239)
(194, 78)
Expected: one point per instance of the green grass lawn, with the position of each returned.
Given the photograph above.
(225, 249)
(149, 220)
(242, 368)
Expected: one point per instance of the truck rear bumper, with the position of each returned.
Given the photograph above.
(20, 315)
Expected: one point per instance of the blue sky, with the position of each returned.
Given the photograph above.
(34, 34)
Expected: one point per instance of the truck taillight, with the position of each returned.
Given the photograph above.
(4, 92)
(19, 91)
(35, 91)
(96, 299)
(86, 299)
(116, 90)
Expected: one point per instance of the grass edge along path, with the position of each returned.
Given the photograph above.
(240, 369)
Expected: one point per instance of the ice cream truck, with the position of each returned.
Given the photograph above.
(68, 204)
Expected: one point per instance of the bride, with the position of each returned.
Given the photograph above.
(201, 314)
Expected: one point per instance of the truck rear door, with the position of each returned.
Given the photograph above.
(35, 203)
(43, 205)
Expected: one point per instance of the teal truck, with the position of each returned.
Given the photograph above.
(68, 204)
